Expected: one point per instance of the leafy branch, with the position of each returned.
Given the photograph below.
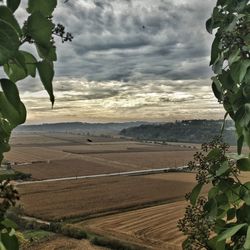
(226, 207)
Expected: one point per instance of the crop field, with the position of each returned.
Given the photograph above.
(153, 227)
(58, 155)
(82, 198)
(145, 160)
(67, 168)
(141, 209)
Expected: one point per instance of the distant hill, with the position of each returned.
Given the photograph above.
(194, 131)
(79, 127)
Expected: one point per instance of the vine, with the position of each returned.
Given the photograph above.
(221, 219)
(38, 30)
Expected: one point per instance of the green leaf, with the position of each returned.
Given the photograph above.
(9, 241)
(239, 70)
(9, 223)
(13, 4)
(218, 64)
(215, 50)
(214, 153)
(215, 245)
(245, 192)
(30, 62)
(223, 169)
(46, 72)
(209, 25)
(213, 192)
(45, 7)
(195, 193)
(242, 116)
(48, 53)
(11, 92)
(234, 57)
(247, 242)
(7, 16)
(9, 42)
(231, 214)
(40, 29)
(243, 164)
(16, 68)
(11, 106)
(240, 142)
(230, 232)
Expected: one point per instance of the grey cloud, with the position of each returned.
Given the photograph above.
(127, 40)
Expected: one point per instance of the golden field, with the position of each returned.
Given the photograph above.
(140, 209)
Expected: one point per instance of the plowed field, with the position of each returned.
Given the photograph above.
(154, 227)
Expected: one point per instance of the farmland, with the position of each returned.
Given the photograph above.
(55, 156)
(147, 227)
(136, 209)
(82, 198)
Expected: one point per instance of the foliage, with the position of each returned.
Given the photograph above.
(221, 220)
(38, 30)
(196, 131)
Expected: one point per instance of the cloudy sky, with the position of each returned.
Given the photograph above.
(129, 60)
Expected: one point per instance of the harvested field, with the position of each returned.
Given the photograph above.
(63, 243)
(30, 154)
(67, 168)
(120, 147)
(65, 199)
(153, 227)
(145, 160)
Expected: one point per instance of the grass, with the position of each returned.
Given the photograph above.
(37, 235)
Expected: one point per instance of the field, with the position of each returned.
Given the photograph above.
(138, 209)
(66, 199)
(147, 227)
(48, 156)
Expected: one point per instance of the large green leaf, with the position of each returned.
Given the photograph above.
(227, 234)
(9, 42)
(48, 53)
(7, 16)
(243, 164)
(247, 241)
(30, 62)
(234, 57)
(13, 4)
(209, 25)
(240, 142)
(239, 70)
(242, 116)
(11, 92)
(40, 29)
(9, 241)
(46, 72)
(16, 68)
(11, 106)
(45, 7)
(195, 193)
(223, 169)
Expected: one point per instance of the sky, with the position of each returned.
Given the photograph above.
(130, 60)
